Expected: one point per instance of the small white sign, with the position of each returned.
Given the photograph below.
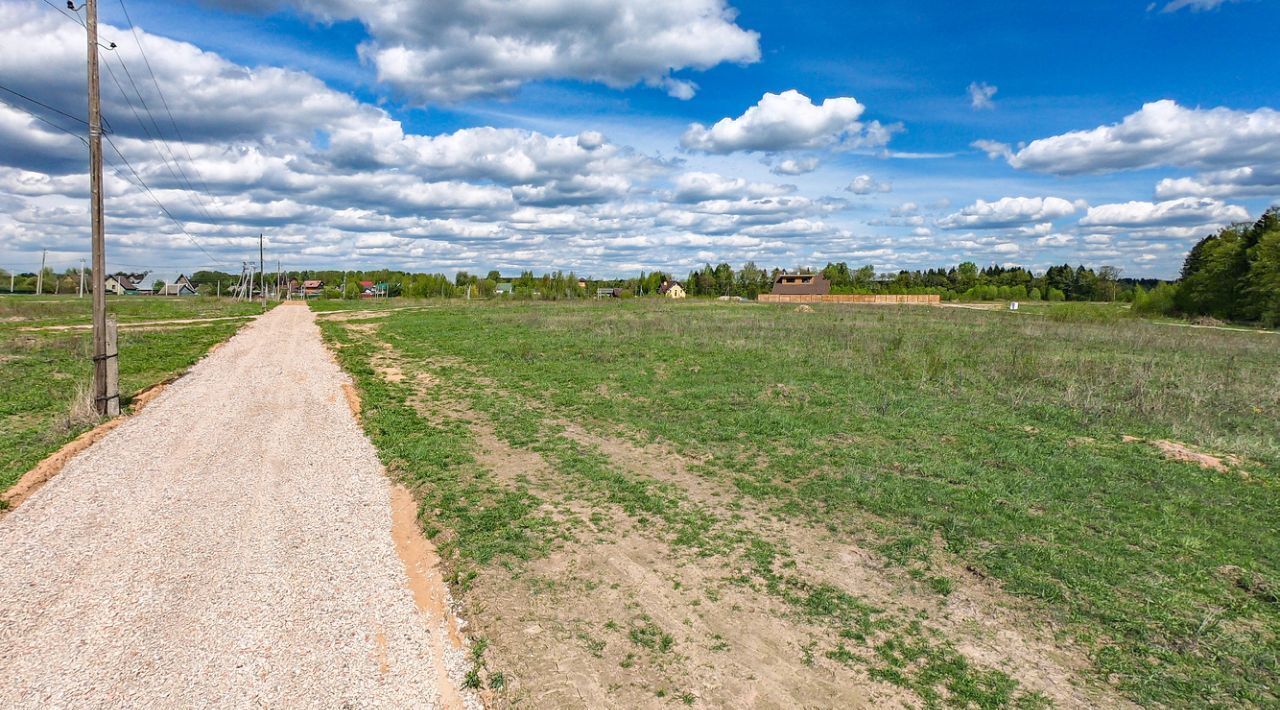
(1013, 305)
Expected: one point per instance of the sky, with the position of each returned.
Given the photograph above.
(608, 137)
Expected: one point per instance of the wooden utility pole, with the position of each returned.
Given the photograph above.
(40, 275)
(262, 271)
(81, 293)
(104, 400)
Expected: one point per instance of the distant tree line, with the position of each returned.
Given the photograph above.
(965, 281)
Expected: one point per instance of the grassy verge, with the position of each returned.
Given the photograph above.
(998, 438)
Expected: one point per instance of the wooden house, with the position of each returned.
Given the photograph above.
(801, 285)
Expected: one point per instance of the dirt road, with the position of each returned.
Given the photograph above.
(229, 546)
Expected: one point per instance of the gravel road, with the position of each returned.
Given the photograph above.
(228, 546)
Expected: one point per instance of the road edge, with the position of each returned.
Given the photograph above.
(33, 480)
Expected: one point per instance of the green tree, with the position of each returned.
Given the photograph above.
(352, 291)
(1212, 273)
(1263, 279)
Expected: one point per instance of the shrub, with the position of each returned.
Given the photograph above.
(1034, 295)
(1056, 295)
(1080, 312)
(1159, 301)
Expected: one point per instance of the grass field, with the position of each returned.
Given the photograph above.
(45, 369)
(651, 502)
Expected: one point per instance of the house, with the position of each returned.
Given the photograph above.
(369, 289)
(119, 284)
(608, 293)
(180, 286)
(671, 289)
(582, 284)
(801, 285)
(127, 284)
(312, 287)
(504, 289)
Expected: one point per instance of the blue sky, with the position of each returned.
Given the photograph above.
(608, 136)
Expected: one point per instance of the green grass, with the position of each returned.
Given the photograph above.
(998, 434)
(45, 375)
(28, 310)
(330, 305)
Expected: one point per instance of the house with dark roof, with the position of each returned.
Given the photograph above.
(123, 284)
(180, 286)
(801, 285)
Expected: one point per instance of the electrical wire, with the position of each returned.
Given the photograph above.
(41, 104)
(164, 101)
(146, 131)
(146, 188)
(44, 120)
(73, 17)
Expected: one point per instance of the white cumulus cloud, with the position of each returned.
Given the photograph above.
(865, 185)
(793, 166)
(1184, 212)
(789, 121)
(1162, 133)
(1008, 212)
(450, 51)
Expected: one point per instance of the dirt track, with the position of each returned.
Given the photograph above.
(229, 546)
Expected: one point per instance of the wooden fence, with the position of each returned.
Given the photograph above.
(851, 298)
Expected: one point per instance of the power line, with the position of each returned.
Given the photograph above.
(146, 131)
(172, 160)
(178, 132)
(21, 95)
(60, 112)
(44, 120)
(143, 184)
(73, 17)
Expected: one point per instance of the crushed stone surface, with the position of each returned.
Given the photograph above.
(228, 546)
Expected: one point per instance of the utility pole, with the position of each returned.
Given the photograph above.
(40, 276)
(262, 271)
(103, 400)
(278, 280)
(81, 293)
